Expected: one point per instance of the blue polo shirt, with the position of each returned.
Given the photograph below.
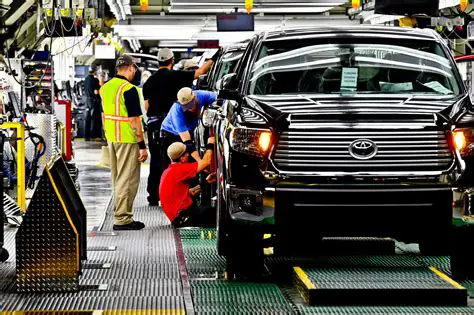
(176, 122)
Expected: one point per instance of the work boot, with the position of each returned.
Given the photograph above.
(134, 225)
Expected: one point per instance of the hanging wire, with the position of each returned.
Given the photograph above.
(62, 51)
(47, 65)
(62, 25)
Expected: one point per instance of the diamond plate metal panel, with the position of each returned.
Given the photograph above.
(47, 245)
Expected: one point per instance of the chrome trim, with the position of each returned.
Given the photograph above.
(348, 205)
(368, 190)
(314, 144)
(372, 163)
(363, 174)
(399, 150)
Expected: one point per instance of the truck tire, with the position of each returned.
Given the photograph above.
(434, 247)
(462, 257)
(4, 255)
(222, 224)
(245, 261)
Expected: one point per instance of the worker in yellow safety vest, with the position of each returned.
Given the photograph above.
(121, 113)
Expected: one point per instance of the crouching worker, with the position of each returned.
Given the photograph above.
(176, 195)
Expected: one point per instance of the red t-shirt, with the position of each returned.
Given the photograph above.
(174, 188)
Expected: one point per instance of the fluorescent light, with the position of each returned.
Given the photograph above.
(260, 5)
(178, 9)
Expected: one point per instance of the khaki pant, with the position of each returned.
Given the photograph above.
(125, 169)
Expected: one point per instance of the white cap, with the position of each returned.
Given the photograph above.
(190, 63)
(176, 150)
(186, 98)
(165, 54)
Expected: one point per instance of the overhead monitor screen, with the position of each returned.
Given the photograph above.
(235, 22)
(407, 7)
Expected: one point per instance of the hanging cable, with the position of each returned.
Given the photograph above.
(47, 65)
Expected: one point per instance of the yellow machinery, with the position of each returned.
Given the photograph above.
(20, 160)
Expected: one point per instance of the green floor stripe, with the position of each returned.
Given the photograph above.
(381, 310)
(212, 295)
(239, 297)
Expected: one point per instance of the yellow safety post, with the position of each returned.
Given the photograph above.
(20, 161)
(248, 5)
(144, 5)
(463, 5)
(355, 4)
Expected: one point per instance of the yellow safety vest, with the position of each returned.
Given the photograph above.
(117, 123)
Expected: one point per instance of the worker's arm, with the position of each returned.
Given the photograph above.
(207, 66)
(186, 138)
(207, 158)
(136, 123)
(97, 86)
(132, 103)
(146, 105)
(203, 69)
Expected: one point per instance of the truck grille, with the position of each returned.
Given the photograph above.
(398, 151)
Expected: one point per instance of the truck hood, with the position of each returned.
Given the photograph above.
(364, 108)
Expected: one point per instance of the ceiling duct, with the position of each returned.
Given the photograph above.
(263, 6)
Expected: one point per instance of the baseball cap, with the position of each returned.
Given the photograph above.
(176, 150)
(190, 63)
(165, 54)
(186, 98)
(125, 60)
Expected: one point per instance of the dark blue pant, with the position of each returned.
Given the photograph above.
(153, 132)
(93, 123)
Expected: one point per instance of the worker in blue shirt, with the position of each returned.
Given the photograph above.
(182, 119)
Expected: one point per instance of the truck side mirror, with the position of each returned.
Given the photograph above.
(227, 87)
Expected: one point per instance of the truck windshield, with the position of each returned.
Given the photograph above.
(352, 66)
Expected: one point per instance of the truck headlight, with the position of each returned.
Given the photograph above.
(208, 117)
(463, 140)
(251, 141)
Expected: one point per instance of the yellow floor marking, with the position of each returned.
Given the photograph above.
(446, 278)
(304, 278)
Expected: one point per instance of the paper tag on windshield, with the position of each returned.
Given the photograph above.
(396, 87)
(438, 87)
(349, 78)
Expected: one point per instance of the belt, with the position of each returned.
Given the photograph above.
(164, 134)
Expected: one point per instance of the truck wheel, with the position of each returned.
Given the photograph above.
(4, 254)
(246, 260)
(222, 224)
(434, 247)
(462, 257)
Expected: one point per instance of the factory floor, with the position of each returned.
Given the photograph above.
(161, 270)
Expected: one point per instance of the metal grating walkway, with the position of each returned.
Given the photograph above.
(141, 274)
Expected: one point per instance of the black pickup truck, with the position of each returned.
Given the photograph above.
(340, 132)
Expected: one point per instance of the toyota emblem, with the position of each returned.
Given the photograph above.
(363, 149)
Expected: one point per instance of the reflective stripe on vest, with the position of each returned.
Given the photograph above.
(118, 135)
(117, 118)
(117, 124)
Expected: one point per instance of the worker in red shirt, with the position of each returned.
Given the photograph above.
(175, 193)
